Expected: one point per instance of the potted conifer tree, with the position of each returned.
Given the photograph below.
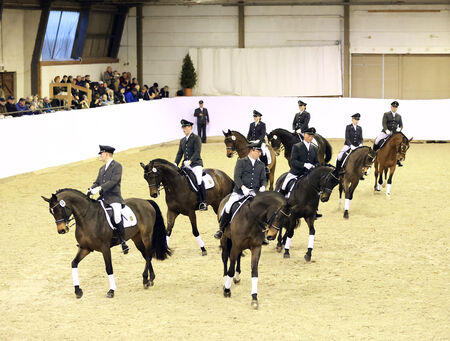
(188, 77)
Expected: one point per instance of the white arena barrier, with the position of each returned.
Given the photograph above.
(31, 143)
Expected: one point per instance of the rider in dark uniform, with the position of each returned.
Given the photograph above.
(353, 138)
(392, 122)
(249, 179)
(257, 134)
(301, 120)
(202, 120)
(190, 149)
(108, 184)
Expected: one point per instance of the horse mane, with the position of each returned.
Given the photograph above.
(239, 135)
(275, 131)
(162, 161)
(75, 191)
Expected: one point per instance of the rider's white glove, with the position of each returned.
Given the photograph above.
(352, 147)
(308, 165)
(95, 190)
(398, 129)
(298, 131)
(388, 132)
(88, 192)
(187, 163)
(175, 164)
(245, 190)
(262, 189)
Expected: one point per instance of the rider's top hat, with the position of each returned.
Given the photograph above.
(356, 116)
(106, 149)
(256, 113)
(301, 103)
(394, 104)
(186, 123)
(255, 145)
(310, 131)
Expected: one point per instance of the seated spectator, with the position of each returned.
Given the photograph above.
(134, 82)
(36, 102)
(34, 110)
(11, 104)
(96, 101)
(46, 105)
(124, 82)
(154, 91)
(3, 109)
(119, 96)
(87, 80)
(70, 80)
(116, 86)
(108, 76)
(2, 93)
(144, 94)
(29, 100)
(107, 90)
(164, 93)
(79, 81)
(75, 95)
(131, 96)
(101, 88)
(64, 79)
(106, 100)
(180, 93)
(23, 108)
(84, 102)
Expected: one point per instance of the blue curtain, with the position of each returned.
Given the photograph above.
(60, 35)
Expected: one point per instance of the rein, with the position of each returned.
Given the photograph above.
(269, 222)
(65, 219)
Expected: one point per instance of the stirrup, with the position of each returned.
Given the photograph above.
(203, 206)
(218, 234)
(125, 248)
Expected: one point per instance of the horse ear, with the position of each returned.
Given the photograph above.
(46, 199)
(410, 139)
(142, 165)
(229, 131)
(224, 133)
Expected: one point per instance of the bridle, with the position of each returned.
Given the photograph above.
(233, 147)
(65, 218)
(158, 184)
(323, 189)
(269, 222)
(402, 148)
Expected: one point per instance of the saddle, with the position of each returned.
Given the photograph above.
(192, 180)
(382, 142)
(291, 184)
(128, 216)
(347, 154)
(237, 206)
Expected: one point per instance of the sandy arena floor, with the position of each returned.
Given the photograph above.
(381, 275)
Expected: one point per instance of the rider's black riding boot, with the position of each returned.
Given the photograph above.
(121, 232)
(338, 164)
(399, 163)
(224, 221)
(203, 206)
(375, 147)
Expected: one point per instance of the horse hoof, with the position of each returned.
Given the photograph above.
(346, 214)
(307, 257)
(78, 293)
(286, 255)
(279, 248)
(226, 292)
(204, 253)
(388, 195)
(148, 284)
(237, 279)
(255, 304)
(110, 293)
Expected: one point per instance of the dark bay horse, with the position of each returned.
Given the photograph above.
(94, 234)
(235, 142)
(387, 156)
(180, 198)
(357, 165)
(304, 201)
(262, 216)
(281, 139)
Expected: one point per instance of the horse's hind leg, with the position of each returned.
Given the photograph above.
(385, 177)
(376, 187)
(234, 253)
(76, 282)
(256, 253)
(148, 269)
(312, 233)
(389, 182)
(340, 193)
(237, 275)
(287, 245)
(193, 219)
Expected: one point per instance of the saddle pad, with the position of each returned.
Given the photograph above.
(128, 216)
(190, 177)
(208, 180)
(347, 154)
(236, 206)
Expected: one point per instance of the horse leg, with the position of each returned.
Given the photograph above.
(237, 274)
(148, 267)
(389, 182)
(109, 270)
(349, 197)
(76, 282)
(312, 233)
(171, 216)
(256, 253)
(377, 167)
(193, 219)
(234, 253)
(287, 244)
(280, 240)
(341, 188)
(225, 244)
(385, 177)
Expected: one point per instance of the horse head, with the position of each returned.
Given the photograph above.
(275, 142)
(60, 211)
(327, 182)
(153, 178)
(275, 211)
(230, 143)
(403, 147)
(368, 160)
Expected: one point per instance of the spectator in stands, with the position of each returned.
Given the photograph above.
(134, 82)
(79, 81)
(96, 101)
(107, 90)
(124, 82)
(36, 102)
(75, 95)
(28, 100)
(58, 91)
(164, 93)
(87, 80)
(34, 110)
(106, 100)
(101, 89)
(131, 96)
(120, 96)
(2, 93)
(84, 102)
(154, 91)
(108, 76)
(180, 93)
(3, 109)
(69, 80)
(23, 108)
(64, 79)
(46, 105)
(11, 104)
(116, 86)
(144, 94)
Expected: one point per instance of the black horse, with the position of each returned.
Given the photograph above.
(259, 217)
(304, 201)
(357, 165)
(179, 196)
(282, 138)
(94, 234)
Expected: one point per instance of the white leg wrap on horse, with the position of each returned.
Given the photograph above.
(167, 240)
(388, 189)
(378, 187)
(254, 285)
(228, 282)
(311, 241)
(75, 278)
(347, 204)
(112, 283)
(200, 241)
(287, 245)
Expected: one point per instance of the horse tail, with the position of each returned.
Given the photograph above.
(328, 150)
(159, 242)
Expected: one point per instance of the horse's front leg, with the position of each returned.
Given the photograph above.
(193, 219)
(256, 253)
(377, 187)
(237, 275)
(234, 253)
(225, 244)
(280, 241)
(171, 216)
(348, 189)
(312, 233)
(272, 174)
(389, 181)
(109, 271)
(287, 245)
(76, 282)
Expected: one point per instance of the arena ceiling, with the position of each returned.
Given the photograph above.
(36, 4)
